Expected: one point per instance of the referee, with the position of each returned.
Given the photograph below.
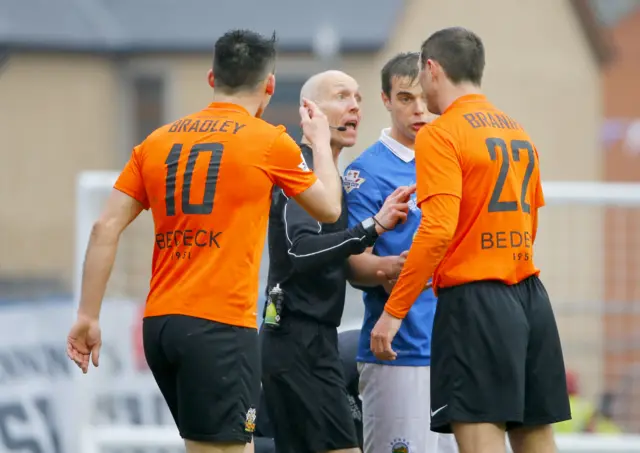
(303, 382)
(348, 348)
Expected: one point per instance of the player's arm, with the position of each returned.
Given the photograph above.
(313, 191)
(364, 200)
(310, 250)
(439, 180)
(125, 203)
(437, 227)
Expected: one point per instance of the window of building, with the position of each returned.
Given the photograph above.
(283, 108)
(149, 106)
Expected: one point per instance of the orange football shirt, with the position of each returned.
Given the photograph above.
(207, 179)
(481, 155)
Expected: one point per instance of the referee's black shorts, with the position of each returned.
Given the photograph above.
(496, 357)
(304, 388)
(208, 373)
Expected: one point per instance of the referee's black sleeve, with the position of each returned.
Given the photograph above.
(310, 249)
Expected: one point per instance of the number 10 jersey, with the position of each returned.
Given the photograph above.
(207, 179)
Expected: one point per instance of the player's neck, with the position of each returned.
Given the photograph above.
(453, 92)
(400, 138)
(248, 102)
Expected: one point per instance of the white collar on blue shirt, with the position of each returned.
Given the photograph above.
(397, 148)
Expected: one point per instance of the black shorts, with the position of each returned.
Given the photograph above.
(496, 357)
(208, 373)
(304, 388)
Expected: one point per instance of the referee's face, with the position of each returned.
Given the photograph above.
(340, 101)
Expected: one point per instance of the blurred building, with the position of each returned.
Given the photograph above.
(621, 146)
(82, 82)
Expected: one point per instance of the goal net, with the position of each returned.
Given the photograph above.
(588, 248)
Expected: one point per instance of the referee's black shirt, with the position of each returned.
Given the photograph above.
(309, 259)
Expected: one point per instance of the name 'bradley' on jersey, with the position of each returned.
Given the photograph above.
(208, 125)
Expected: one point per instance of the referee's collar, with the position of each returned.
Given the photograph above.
(397, 148)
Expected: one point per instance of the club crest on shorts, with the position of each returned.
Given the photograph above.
(352, 180)
(250, 421)
(400, 446)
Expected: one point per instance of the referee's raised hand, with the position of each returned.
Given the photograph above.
(394, 210)
(315, 125)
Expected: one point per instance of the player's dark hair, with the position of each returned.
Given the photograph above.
(402, 65)
(242, 59)
(459, 51)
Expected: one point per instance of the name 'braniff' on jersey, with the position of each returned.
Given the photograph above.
(208, 179)
(368, 180)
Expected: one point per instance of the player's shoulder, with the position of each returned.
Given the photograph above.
(371, 160)
(439, 132)
(484, 119)
(364, 171)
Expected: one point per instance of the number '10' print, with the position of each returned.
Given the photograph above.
(206, 207)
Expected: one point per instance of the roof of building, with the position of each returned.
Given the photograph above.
(190, 25)
(193, 25)
(591, 14)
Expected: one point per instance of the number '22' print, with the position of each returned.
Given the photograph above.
(495, 205)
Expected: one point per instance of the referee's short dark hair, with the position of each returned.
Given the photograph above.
(402, 65)
(242, 59)
(459, 51)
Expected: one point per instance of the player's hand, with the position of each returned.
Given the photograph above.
(315, 125)
(382, 335)
(394, 210)
(392, 272)
(84, 342)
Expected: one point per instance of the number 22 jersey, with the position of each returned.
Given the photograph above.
(482, 156)
(207, 179)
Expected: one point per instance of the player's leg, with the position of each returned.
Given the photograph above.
(218, 384)
(546, 399)
(304, 391)
(479, 347)
(291, 403)
(395, 410)
(339, 433)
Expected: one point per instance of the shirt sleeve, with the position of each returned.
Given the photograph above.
(437, 227)
(286, 166)
(131, 181)
(438, 169)
(363, 196)
(310, 249)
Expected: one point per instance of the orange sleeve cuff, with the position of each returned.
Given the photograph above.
(437, 227)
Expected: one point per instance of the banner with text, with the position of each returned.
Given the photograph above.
(44, 398)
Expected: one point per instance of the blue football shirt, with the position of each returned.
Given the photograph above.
(368, 181)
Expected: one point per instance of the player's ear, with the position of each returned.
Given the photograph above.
(211, 78)
(385, 100)
(271, 85)
(432, 68)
